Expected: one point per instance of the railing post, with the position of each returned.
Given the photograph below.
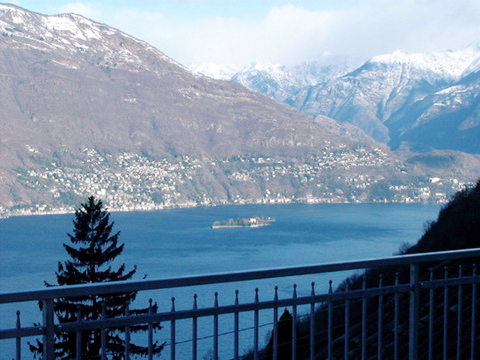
(173, 340)
(364, 318)
(445, 317)
(380, 320)
(474, 313)
(430, 318)
(413, 314)
(459, 315)
(19, 339)
(48, 325)
(150, 331)
(103, 333)
(79, 334)
(330, 322)
(275, 326)
(395, 331)
(215, 329)
(194, 329)
(255, 327)
(236, 329)
(347, 321)
(294, 325)
(127, 332)
(312, 323)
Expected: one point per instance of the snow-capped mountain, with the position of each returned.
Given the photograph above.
(215, 71)
(73, 34)
(281, 82)
(324, 69)
(448, 118)
(374, 94)
(273, 80)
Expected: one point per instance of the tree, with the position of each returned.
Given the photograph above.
(93, 248)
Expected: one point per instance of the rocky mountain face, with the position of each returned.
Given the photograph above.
(273, 80)
(87, 109)
(423, 101)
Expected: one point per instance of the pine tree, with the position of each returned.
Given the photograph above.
(93, 247)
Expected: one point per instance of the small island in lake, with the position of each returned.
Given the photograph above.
(256, 221)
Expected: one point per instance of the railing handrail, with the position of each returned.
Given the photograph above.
(142, 285)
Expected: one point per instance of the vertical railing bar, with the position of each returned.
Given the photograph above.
(150, 331)
(103, 333)
(173, 340)
(48, 325)
(127, 332)
(395, 330)
(430, 318)
(364, 319)
(194, 329)
(236, 329)
(380, 320)
(474, 313)
(294, 325)
(330, 322)
(445, 316)
(459, 315)
(312, 324)
(79, 335)
(18, 340)
(347, 322)
(255, 327)
(413, 313)
(215, 329)
(275, 325)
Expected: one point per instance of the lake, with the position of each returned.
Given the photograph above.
(181, 242)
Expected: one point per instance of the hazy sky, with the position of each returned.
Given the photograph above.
(237, 32)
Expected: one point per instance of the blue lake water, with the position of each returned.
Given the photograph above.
(181, 242)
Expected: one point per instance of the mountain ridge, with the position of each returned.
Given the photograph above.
(88, 110)
(374, 94)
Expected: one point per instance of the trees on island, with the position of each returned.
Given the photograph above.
(93, 247)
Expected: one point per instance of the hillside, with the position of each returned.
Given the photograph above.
(87, 109)
(457, 227)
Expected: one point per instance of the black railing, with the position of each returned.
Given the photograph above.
(395, 309)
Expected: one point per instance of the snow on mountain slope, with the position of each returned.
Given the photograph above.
(273, 80)
(215, 71)
(373, 95)
(446, 119)
(473, 68)
(75, 34)
(325, 69)
(444, 65)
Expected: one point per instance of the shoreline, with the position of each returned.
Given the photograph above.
(64, 211)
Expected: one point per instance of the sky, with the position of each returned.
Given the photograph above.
(235, 33)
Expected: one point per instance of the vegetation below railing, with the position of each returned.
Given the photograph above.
(457, 227)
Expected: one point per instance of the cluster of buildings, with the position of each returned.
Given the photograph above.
(131, 181)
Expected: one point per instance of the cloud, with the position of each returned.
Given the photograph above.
(290, 34)
(375, 27)
(80, 8)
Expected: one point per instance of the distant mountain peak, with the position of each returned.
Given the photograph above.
(449, 65)
(215, 71)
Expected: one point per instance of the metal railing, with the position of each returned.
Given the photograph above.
(382, 313)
